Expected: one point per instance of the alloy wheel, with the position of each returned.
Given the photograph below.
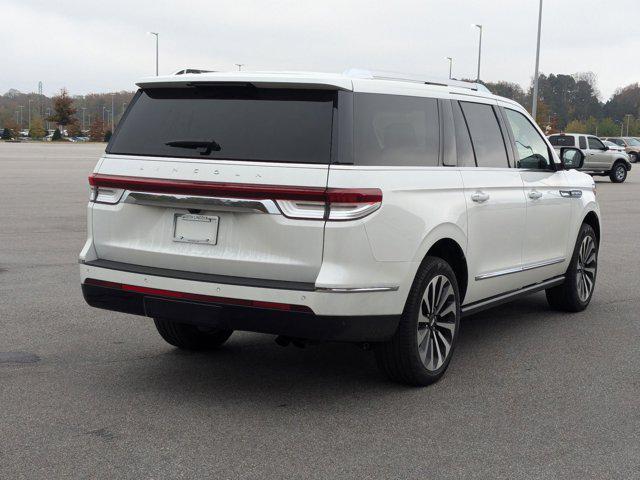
(437, 322)
(586, 266)
(620, 173)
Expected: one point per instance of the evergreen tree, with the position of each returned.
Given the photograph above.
(56, 135)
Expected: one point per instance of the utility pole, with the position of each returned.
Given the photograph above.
(450, 65)
(534, 107)
(479, 49)
(156, 35)
(112, 110)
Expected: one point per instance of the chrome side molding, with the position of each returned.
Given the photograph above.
(202, 203)
(358, 289)
(522, 268)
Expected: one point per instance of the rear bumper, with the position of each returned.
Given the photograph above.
(308, 325)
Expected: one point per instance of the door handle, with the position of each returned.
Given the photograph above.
(535, 194)
(480, 197)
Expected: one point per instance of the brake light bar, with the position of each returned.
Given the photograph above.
(311, 203)
(157, 292)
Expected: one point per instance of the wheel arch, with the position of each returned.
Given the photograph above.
(591, 219)
(449, 242)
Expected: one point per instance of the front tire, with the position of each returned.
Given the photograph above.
(618, 173)
(633, 157)
(190, 337)
(580, 280)
(421, 349)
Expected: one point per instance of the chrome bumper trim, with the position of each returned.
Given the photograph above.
(202, 203)
(357, 289)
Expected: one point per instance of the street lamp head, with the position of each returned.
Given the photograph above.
(448, 58)
(153, 33)
(477, 25)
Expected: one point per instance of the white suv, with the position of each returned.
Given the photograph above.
(359, 207)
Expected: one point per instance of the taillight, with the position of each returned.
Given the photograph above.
(338, 204)
(309, 203)
(102, 194)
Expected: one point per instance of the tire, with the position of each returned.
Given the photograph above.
(633, 157)
(571, 296)
(417, 354)
(618, 173)
(190, 337)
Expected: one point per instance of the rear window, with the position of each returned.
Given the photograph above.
(562, 141)
(229, 122)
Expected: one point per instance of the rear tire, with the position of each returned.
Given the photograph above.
(633, 157)
(580, 280)
(190, 337)
(421, 349)
(618, 173)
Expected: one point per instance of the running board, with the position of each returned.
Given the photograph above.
(508, 297)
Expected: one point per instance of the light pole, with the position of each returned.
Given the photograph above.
(534, 107)
(239, 65)
(103, 109)
(157, 35)
(21, 107)
(48, 113)
(83, 110)
(29, 114)
(628, 116)
(479, 47)
(112, 110)
(450, 65)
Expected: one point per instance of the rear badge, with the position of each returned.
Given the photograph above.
(191, 228)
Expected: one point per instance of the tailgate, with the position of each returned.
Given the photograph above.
(195, 180)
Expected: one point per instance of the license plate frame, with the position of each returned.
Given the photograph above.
(193, 228)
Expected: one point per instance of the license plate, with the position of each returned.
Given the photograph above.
(191, 228)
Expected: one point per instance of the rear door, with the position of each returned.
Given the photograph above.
(202, 175)
(495, 203)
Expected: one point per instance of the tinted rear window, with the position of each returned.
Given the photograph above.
(486, 135)
(395, 130)
(562, 141)
(237, 123)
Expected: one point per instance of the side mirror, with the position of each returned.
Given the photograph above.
(571, 158)
(605, 148)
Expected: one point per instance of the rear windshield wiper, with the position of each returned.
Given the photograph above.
(210, 146)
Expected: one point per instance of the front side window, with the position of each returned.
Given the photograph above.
(595, 143)
(486, 135)
(395, 130)
(229, 122)
(531, 148)
(617, 141)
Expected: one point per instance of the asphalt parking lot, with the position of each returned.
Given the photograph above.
(86, 393)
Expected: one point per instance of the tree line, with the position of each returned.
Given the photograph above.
(91, 115)
(568, 103)
(571, 103)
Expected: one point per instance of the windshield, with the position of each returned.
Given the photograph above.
(229, 122)
(634, 142)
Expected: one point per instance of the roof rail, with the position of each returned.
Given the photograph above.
(403, 77)
(185, 71)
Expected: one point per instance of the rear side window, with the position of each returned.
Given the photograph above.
(582, 142)
(237, 123)
(395, 130)
(464, 149)
(486, 135)
(562, 141)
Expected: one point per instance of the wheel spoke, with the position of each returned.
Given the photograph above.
(451, 326)
(445, 343)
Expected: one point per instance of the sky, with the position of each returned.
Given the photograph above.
(90, 47)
